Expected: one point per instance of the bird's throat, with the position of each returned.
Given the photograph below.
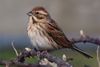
(32, 20)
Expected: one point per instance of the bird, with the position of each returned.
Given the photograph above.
(45, 34)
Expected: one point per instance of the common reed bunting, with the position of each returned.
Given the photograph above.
(45, 34)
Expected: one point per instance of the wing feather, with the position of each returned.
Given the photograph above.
(57, 35)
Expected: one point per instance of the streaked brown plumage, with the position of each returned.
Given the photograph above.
(45, 34)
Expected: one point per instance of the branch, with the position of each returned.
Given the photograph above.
(85, 38)
(19, 62)
(44, 54)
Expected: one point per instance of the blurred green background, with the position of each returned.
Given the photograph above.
(71, 16)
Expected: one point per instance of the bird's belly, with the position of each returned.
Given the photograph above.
(40, 41)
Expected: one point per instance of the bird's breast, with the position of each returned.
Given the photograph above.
(39, 38)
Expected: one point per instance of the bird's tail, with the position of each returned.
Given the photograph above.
(82, 52)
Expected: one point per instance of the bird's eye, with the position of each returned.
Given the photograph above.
(37, 12)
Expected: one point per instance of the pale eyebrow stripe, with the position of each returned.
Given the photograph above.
(42, 12)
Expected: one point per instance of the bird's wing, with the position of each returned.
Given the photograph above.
(57, 35)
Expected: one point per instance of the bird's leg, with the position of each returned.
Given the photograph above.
(38, 55)
(45, 52)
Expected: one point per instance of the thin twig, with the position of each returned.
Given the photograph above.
(14, 48)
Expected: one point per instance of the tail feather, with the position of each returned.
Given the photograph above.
(82, 52)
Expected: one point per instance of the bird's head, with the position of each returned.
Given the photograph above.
(38, 14)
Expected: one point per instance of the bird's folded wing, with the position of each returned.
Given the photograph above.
(57, 35)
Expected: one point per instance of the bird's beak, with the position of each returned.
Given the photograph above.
(30, 13)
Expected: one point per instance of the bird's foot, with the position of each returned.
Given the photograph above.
(45, 52)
